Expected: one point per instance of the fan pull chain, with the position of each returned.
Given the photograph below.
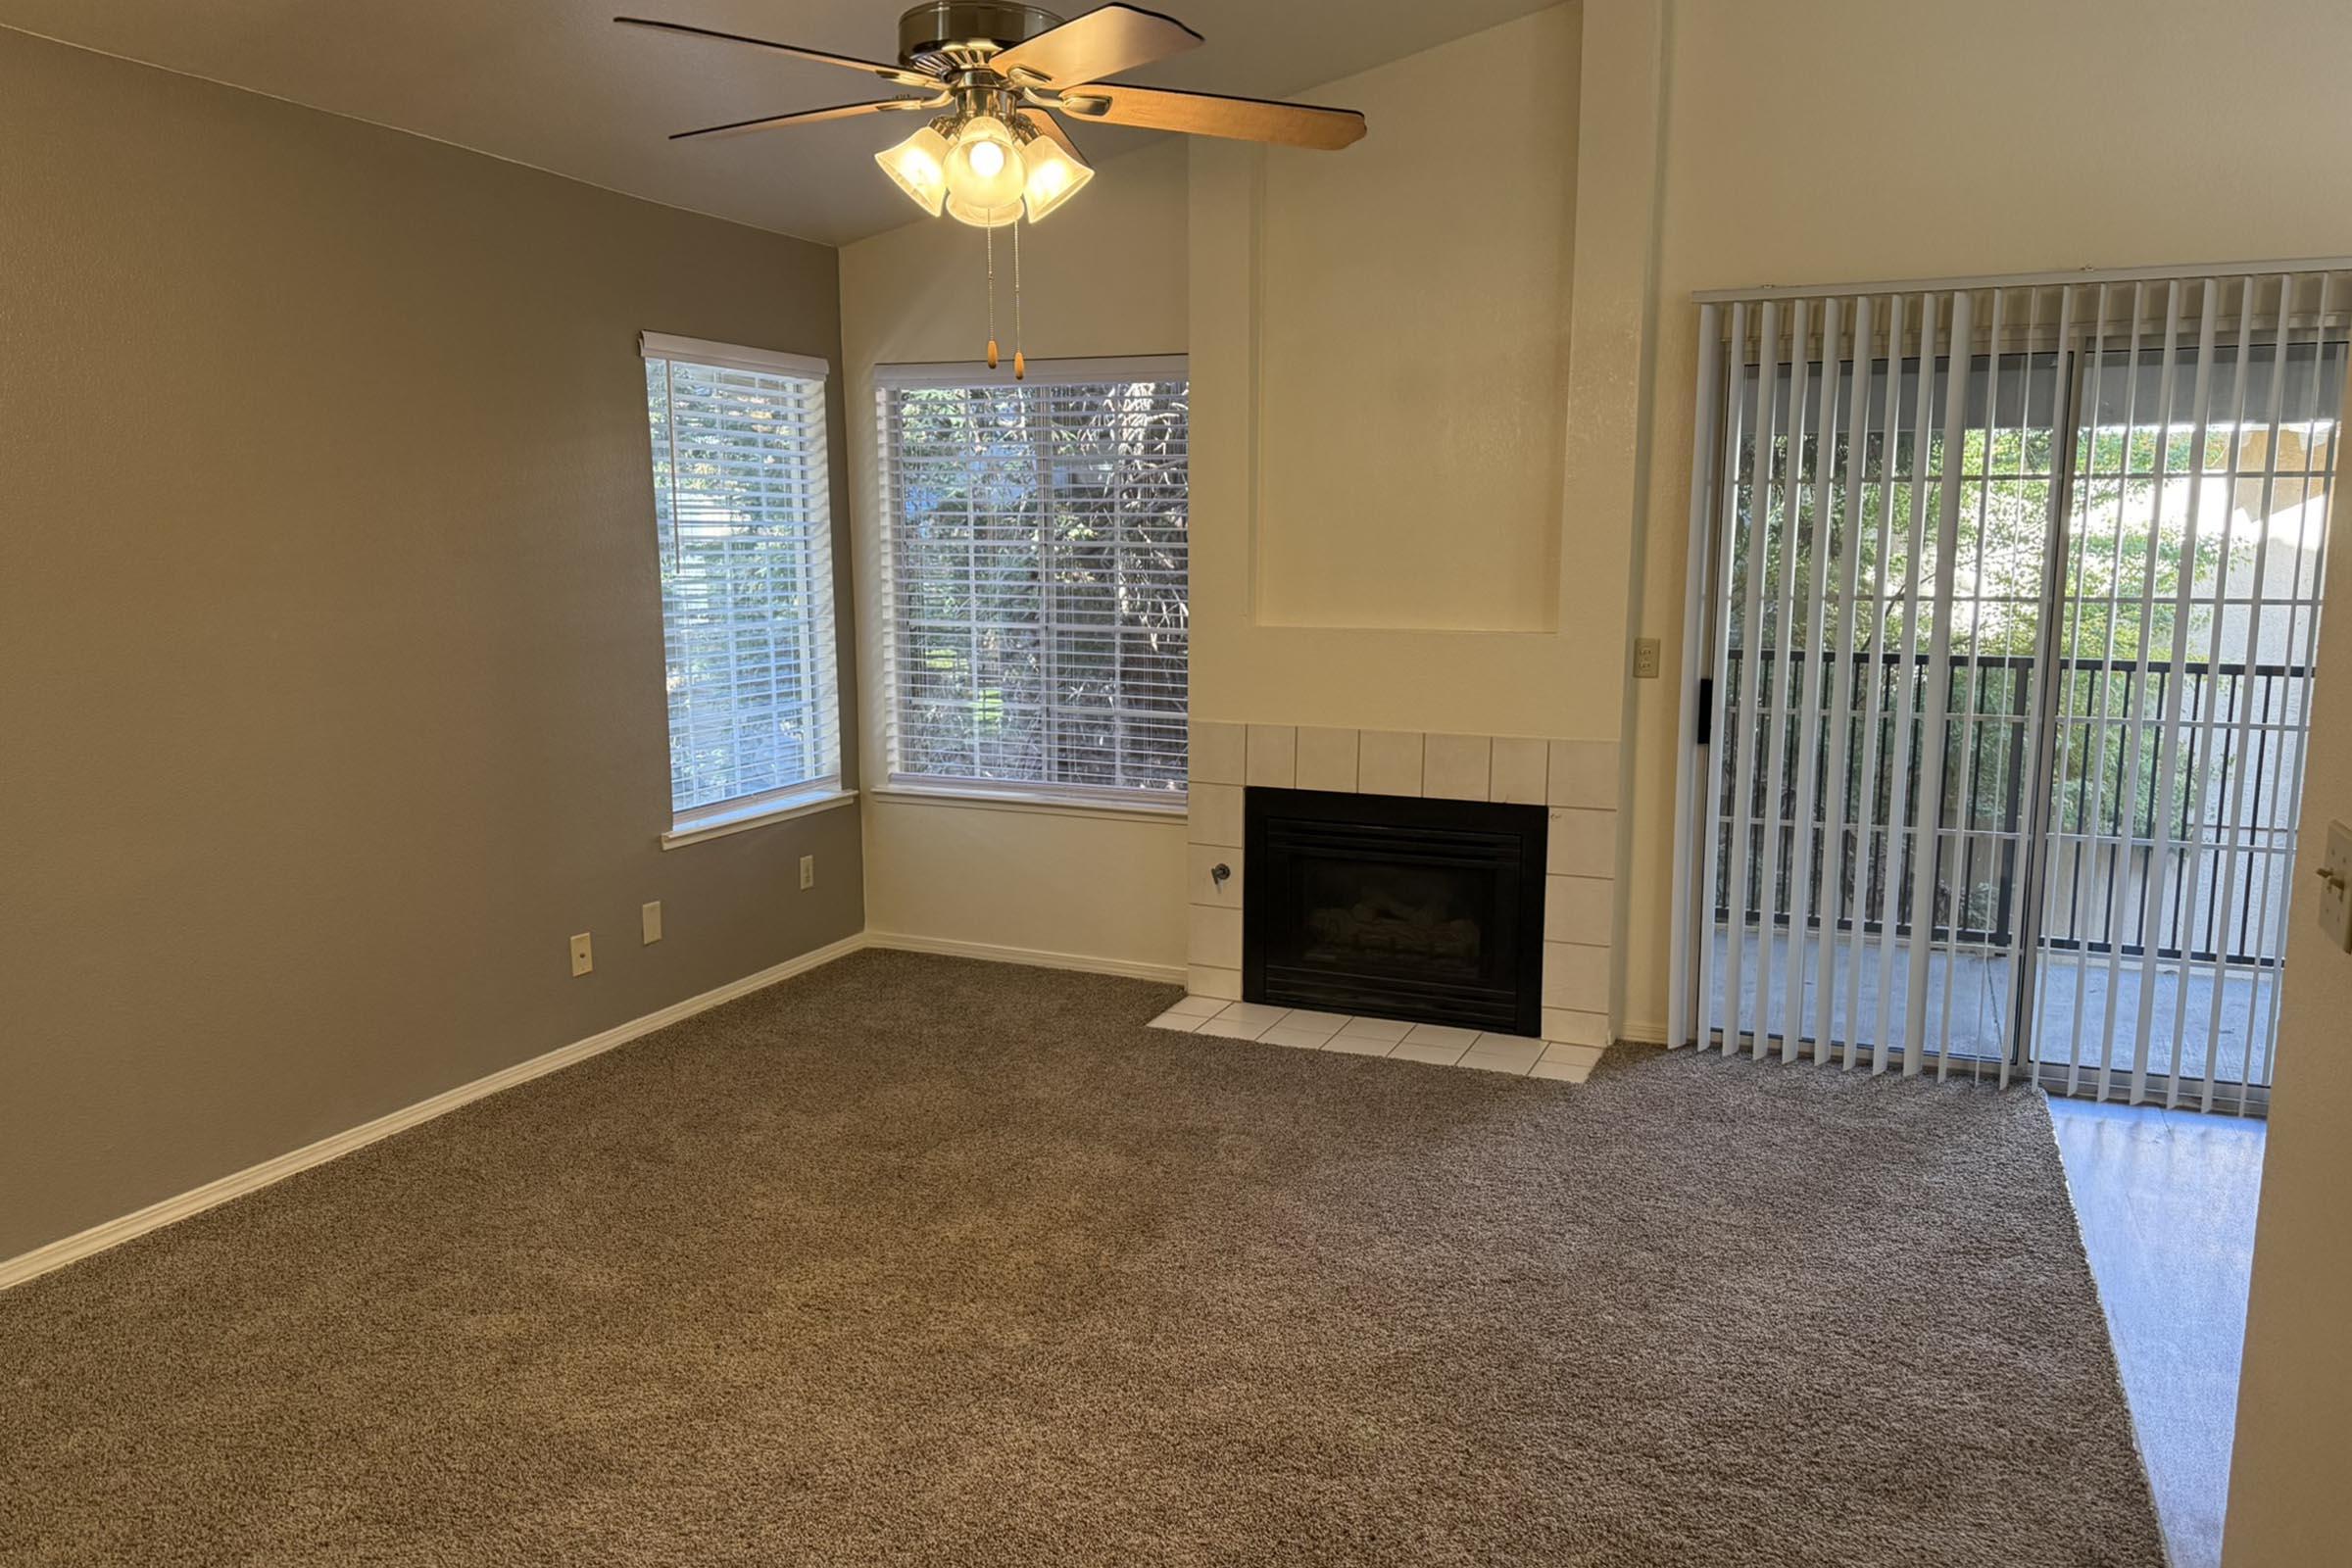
(1020, 366)
(989, 237)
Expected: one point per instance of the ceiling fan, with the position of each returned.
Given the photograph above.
(994, 76)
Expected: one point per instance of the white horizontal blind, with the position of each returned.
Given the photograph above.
(1037, 563)
(743, 516)
(2010, 595)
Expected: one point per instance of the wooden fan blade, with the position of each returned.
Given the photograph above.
(1102, 43)
(1203, 113)
(808, 117)
(872, 67)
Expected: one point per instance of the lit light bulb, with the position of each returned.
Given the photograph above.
(918, 167)
(985, 173)
(1054, 175)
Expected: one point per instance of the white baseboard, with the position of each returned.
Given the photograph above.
(1037, 957)
(114, 1232)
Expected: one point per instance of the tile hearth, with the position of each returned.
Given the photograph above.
(1300, 1029)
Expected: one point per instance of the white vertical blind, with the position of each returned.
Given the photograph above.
(1715, 695)
(1847, 544)
(1036, 562)
(741, 496)
(2197, 532)
(1808, 695)
(1689, 816)
(2009, 595)
(1904, 817)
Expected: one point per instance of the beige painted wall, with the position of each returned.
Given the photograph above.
(1106, 275)
(1381, 374)
(330, 649)
(1410, 333)
(1847, 141)
(2294, 1395)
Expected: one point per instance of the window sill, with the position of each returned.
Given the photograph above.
(759, 813)
(1045, 802)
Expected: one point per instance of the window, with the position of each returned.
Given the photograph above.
(1036, 561)
(742, 507)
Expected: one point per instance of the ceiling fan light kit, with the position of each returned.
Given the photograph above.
(1054, 174)
(918, 166)
(992, 76)
(985, 172)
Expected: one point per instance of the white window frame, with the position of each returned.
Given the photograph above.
(1007, 794)
(799, 797)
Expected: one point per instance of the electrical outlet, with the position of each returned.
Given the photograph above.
(807, 871)
(651, 914)
(1646, 653)
(2335, 887)
(583, 955)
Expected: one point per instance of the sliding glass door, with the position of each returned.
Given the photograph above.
(2007, 599)
(2188, 613)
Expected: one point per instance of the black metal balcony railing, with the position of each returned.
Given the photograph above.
(2102, 849)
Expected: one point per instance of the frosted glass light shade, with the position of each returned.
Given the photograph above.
(980, 217)
(985, 171)
(1054, 175)
(919, 166)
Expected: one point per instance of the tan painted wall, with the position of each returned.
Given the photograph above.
(330, 650)
(2294, 1395)
(1380, 366)
(1410, 308)
(1106, 275)
(1848, 141)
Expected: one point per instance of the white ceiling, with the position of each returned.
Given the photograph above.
(555, 85)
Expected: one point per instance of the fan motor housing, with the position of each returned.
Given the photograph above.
(956, 35)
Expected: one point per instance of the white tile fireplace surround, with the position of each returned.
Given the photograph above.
(1576, 779)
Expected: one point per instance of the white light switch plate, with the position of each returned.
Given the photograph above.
(2335, 887)
(651, 914)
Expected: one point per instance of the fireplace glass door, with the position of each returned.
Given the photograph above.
(1404, 908)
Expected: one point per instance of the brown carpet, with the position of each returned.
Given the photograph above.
(917, 1260)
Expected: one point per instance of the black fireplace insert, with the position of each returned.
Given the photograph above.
(1425, 910)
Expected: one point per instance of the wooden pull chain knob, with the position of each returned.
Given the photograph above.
(1020, 367)
(992, 352)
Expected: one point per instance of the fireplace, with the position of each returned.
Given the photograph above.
(1427, 909)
